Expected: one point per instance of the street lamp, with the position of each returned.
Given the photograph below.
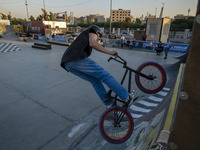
(44, 10)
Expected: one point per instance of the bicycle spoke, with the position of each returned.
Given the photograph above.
(116, 129)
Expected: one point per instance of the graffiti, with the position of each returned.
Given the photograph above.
(145, 133)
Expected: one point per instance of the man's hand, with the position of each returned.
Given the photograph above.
(114, 53)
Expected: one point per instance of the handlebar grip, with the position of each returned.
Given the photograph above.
(115, 54)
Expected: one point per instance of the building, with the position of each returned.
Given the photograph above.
(120, 15)
(60, 16)
(100, 19)
(71, 19)
(150, 16)
(92, 18)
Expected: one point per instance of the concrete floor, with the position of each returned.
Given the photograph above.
(44, 107)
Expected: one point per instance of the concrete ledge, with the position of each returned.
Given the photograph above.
(59, 43)
(24, 38)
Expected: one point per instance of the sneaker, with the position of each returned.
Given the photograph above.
(109, 104)
(130, 99)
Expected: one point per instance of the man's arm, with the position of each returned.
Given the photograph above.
(94, 44)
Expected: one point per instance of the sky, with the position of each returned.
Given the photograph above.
(80, 8)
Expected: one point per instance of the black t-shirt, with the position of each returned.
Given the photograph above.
(78, 49)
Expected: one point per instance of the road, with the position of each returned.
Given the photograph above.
(43, 107)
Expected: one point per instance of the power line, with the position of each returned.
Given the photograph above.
(14, 2)
(71, 5)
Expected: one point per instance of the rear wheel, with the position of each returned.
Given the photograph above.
(116, 125)
(156, 72)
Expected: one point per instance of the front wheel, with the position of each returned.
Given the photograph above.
(116, 125)
(157, 74)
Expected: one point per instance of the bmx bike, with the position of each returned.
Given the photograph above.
(116, 123)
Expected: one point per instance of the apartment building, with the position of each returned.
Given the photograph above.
(120, 15)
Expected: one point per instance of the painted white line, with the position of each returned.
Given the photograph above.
(162, 93)
(75, 129)
(156, 99)
(136, 116)
(147, 103)
(166, 89)
(136, 108)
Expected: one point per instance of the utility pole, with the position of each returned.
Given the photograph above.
(161, 13)
(189, 12)
(44, 10)
(110, 14)
(44, 4)
(155, 11)
(27, 9)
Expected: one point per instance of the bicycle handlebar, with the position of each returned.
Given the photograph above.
(122, 60)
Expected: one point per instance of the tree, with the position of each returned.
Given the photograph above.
(181, 24)
(32, 18)
(45, 15)
(16, 21)
(4, 17)
(50, 16)
(138, 21)
(128, 20)
(9, 17)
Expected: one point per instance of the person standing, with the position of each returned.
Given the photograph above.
(122, 41)
(167, 46)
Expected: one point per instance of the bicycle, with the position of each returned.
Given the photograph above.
(116, 123)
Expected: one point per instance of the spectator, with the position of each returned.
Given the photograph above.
(28, 34)
(159, 48)
(122, 41)
(115, 36)
(167, 47)
(132, 45)
(128, 43)
(144, 37)
(53, 36)
(150, 45)
(134, 42)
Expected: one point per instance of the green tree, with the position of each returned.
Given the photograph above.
(9, 17)
(16, 21)
(181, 24)
(32, 18)
(128, 20)
(4, 17)
(44, 15)
(50, 16)
(138, 21)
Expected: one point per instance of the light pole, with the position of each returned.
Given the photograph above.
(44, 4)
(44, 10)
(110, 14)
(27, 9)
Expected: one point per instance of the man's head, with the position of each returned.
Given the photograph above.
(95, 29)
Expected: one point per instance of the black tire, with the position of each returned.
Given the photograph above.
(151, 69)
(123, 130)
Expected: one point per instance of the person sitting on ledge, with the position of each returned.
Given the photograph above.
(159, 48)
(150, 45)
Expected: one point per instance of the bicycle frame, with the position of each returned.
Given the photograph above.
(127, 71)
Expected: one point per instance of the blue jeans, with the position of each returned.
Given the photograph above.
(89, 70)
(166, 49)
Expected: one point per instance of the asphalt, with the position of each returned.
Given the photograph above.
(43, 107)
